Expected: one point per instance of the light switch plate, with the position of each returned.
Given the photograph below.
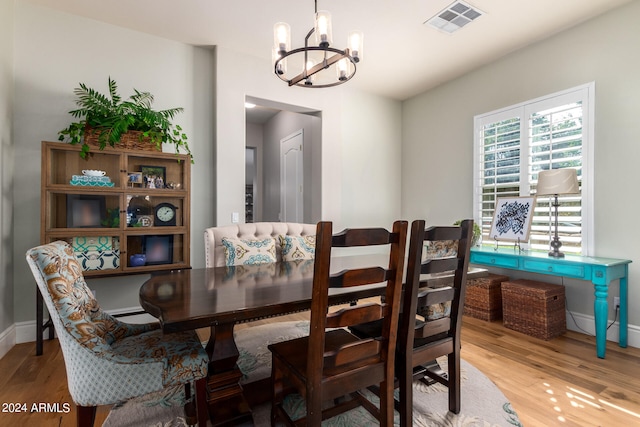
(235, 217)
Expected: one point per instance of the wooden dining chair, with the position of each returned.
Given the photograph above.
(431, 318)
(329, 367)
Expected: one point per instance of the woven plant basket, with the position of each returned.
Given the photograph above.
(131, 140)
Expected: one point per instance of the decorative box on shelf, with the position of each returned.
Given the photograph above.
(91, 181)
(534, 308)
(97, 252)
(99, 260)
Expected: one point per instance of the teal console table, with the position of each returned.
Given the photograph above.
(599, 271)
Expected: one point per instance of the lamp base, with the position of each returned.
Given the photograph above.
(556, 244)
(556, 254)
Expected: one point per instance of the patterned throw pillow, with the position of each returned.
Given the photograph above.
(437, 311)
(240, 251)
(295, 248)
(439, 249)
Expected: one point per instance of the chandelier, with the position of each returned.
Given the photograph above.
(310, 66)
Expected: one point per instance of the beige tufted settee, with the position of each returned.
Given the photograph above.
(214, 250)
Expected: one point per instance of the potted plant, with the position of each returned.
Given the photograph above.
(107, 119)
(477, 232)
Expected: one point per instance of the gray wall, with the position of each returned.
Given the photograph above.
(55, 51)
(437, 130)
(280, 126)
(6, 164)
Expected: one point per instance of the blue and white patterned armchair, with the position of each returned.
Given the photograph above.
(109, 361)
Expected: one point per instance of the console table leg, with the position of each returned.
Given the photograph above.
(624, 310)
(600, 313)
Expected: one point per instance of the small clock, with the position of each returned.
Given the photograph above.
(165, 215)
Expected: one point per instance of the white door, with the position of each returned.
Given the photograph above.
(291, 175)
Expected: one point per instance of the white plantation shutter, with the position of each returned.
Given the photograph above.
(514, 144)
(500, 165)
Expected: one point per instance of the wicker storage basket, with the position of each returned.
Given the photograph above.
(534, 308)
(483, 298)
(130, 140)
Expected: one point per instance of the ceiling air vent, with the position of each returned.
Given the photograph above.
(454, 17)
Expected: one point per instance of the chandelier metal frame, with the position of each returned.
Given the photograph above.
(330, 57)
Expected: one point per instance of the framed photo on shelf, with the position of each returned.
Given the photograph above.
(85, 210)
(135, 178)
(153, 176)
(512, 219)
(158, 249)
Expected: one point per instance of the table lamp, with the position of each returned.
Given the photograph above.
(553, 183)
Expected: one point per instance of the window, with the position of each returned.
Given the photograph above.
(513, 144)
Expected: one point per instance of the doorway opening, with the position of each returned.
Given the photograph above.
(249, 182)
(286, 186)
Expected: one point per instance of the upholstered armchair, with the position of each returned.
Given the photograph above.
(109, 361)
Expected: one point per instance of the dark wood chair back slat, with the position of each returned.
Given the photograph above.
(443, 233)
(353, 352)
(352, 315)
(360, 276)
(432, 328)
(352, 237)
(440, 265)
(429, 297)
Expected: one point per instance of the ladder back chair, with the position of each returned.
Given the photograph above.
(431, 318)
(330, 366)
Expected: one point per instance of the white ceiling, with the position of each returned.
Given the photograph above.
(402, 57)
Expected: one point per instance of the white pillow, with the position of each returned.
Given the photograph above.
(241, 251)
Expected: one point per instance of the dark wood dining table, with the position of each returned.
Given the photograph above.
(220, 297)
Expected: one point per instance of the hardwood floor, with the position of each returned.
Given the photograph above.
(549, 383)
(559, 382)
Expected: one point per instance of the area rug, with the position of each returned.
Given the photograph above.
(483, 404)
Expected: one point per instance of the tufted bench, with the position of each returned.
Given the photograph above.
(214, 250)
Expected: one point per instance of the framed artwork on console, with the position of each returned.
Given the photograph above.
(512, 219)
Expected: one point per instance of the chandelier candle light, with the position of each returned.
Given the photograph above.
(312, 63)
(553, 183)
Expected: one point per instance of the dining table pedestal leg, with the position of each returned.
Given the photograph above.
(227, 404)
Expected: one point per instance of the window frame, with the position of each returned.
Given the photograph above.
(584, 93)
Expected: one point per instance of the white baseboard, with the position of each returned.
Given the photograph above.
(26, 331)
(7, 340)
(586, 324)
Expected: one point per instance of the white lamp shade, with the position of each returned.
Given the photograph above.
(557, 181)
